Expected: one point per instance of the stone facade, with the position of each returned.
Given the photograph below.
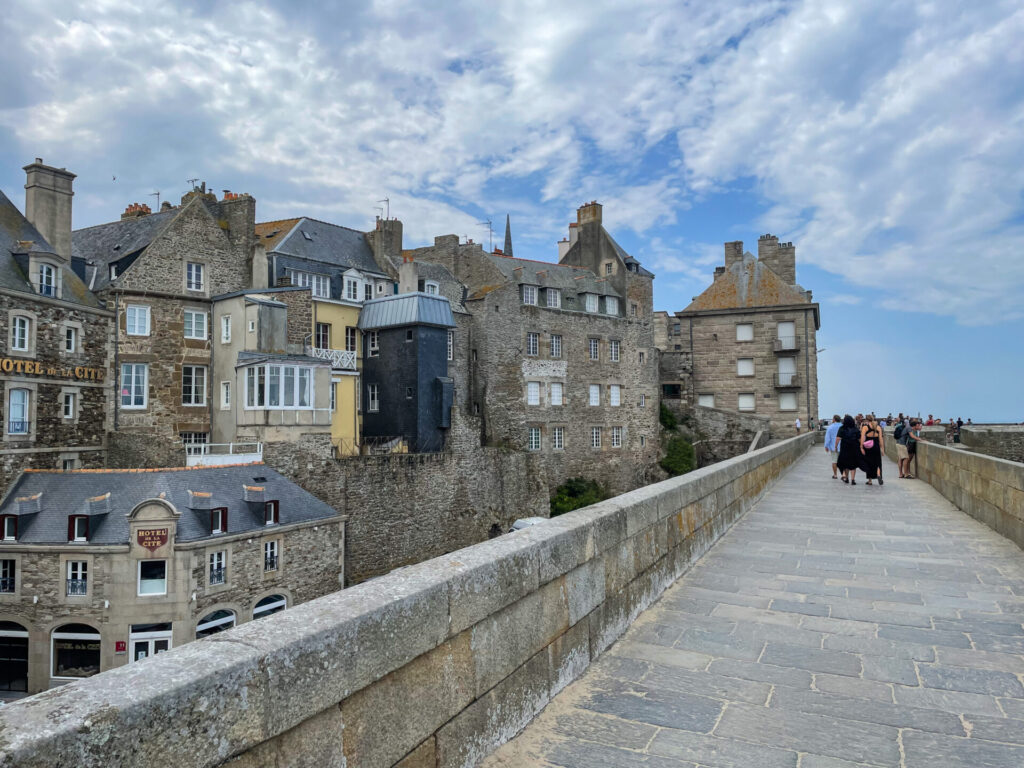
(1004, 441)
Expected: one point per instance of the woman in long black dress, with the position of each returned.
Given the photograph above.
(871, 449)
(849, 450)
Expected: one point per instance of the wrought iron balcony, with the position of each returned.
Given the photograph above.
(7, 584)
(270, 563)
(17, 427)
(342, 359)
(787, 380)
(217, 576)
(77, 587)
(786, 345)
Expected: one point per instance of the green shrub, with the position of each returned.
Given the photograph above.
(667, 418)
(679, 457)
(574, 493)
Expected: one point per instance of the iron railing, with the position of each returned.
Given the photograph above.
(786, 344)
(786, 380)
(270, 563)
(17, 427)
(217, 576)
(7, 584)
(77, 587)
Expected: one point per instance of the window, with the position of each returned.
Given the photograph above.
(269, 605)
(368, 291)
(787, 335)
(745, 366)
(225, 395)
(595, 394)
(556, 345)
(322, 336)
(451, 345)
(613, 350)
(595, 348)
(8, 576)
(78, 578)
(787, 401)
(278, 386)
(225, 329)
(611, 305)
(68, 464)
(152, 577)
(215, 622)
(591, 302)
(615, 395)
(676, 329)
(69, 405)
(219, 520)
(372, 399)
(78, 528)
(641, 357)
(408, 393)
(351, 289)
(193, 276)
(271, 514)
(193, 385)
(787, 372)
(556, 393)
(133, 385)
(554, 297)
(532, 344)
(270, 555)
(136, 320)
(71, 340)
(558, 438)
(616, 437)
(17, 412)
(75, 651)
(19, 333)
(350, 339)
(252, 326)
(608, 268)
(113, 271)
(195, 442)
(408, 335)
(47, 280)
(218, 568)
(533, 393)
(744, 332)
(707, 401)
(643, 401)
(643, 441)
(632, 309)
(195, 324)
(534, 439)
(334, 395)
(595, 437)
(431, 287)
(319, 285)
(8, 528)
(746, 401)
(149, 639)
(530, 294)
(374, 345)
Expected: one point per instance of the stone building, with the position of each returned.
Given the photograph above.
(751, 338)
(158, 272)
(557, 359)
(104, 568)
(54, 349)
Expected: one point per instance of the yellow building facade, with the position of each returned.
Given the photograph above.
(335, 337)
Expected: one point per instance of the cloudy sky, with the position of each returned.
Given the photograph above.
(884, 138)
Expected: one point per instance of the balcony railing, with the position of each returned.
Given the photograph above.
(270, 563)
(787, 380)
(786, 344)
(213, 454)
(77, 587)
(17, 427)
(343, 359)
(217, 576)
(7, 584)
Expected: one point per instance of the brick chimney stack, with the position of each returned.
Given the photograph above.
(733, 253)
(48, 193)
(135, 211)
(588, 212)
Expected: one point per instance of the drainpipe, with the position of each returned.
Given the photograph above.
(117, 357)
(807, 370)
(214, 389)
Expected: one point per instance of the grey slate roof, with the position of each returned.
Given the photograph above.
(14, 227)
(106, 243)
(550, 275)
(67, 493)
(629, 260)
(329, 244)
(406, 309)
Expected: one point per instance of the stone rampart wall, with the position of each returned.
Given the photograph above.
(433, 665)
(725, 434)
(1001, 441)
(986, 488)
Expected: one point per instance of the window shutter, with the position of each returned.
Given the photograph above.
(71, 527)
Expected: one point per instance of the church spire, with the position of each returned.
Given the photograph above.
(508, 236)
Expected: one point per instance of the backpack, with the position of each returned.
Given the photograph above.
(898, 432)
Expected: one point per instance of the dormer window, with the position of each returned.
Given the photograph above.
(8, 528)
(271, 513)
(554, 298)
(611, 305)
(78, 528)
(431, 287)
(113, 271)
(219, 520)
(530, 294)
(591, 302)
(47, 280)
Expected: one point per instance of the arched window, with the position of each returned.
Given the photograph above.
(268, 605)
(17, 412)
(75, 651)
(13, 657)
(215, 622)
(47, 280)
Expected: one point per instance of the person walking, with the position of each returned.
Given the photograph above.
(798, 425)
(830, 444)
(871, 449)
(902, 434)
(849, 450)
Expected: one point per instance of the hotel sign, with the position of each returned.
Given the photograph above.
(151, 538)
(34, 367)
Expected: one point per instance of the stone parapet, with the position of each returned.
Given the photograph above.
(435, 664)
(1004, 441)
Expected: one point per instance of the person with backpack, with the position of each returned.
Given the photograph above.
(902, 434)
(913, 438)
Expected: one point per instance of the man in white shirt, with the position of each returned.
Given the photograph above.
(798, 425)
(830, 444)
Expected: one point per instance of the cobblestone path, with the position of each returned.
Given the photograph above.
(833, 626)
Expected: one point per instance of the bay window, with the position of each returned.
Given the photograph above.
(278, 386)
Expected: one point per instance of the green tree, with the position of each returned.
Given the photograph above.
(667, 418)
(680, 457)
(574, 493)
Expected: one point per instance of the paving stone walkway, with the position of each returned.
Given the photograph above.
(832, 627)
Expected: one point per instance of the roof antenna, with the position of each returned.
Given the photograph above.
(380, 211)
(192, 182)
(157, 196)
(387, 202)
(490, 234)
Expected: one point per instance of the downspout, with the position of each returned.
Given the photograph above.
(214, 389)
(693, 371)
(117, 357)
(807, 371)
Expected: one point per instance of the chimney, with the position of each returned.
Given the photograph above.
(589, 212)
(135, 211)
(733, 253)
(48, 193)
(408, 277)
(786, 263)
(386, 242)
(254, 493)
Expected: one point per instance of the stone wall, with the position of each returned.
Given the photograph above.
(988, 489)
(435, 665)
(723, 434)
(1004, 441)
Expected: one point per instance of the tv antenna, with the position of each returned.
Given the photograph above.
(490, 234)
(157, 196)
(387, 202)
(192, 182)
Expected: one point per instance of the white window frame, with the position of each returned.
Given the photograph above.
(591, 302)
(706, 400)
(533, 439)
(225, 329)
(135, 368)
(351, 289)
(292, 382)
(21, 332)
(744, 331)
(134, 314)
(225, 395)
(614, 346)
(372, 398)
(55, 636)
(595, 437)
(643, 400)
(553, 298)
(77, 570)
(752, 400)
(611, 305)
(48, 270)
(221, 526)
(271, 548)
(556, 345)
(191, 327)
(70, 334)
(194, 270)
(10, 530)
(530, 295)
(557, 393)
(594, 348)
(594, 395)
(138, 579)
(614, 395)
(195, 389)
(373, 347)
(788, 396)
(431, 287)
(745, 364)
(269, 608)
(558, 438)
(26, 407)
(616, 437)
(220, 556)
(69, 398)
(81, 521)
(532, 343)
(533, 393)
(451, 345)
(318, 283)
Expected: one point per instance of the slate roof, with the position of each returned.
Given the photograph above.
(15, 230)
(568, 278)
(406, 309)
(747, 283)
(629, 260)
(326, 243)
(67, 493)
(103, 244)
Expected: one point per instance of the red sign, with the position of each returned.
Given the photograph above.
(152, 538)
(120, 647)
